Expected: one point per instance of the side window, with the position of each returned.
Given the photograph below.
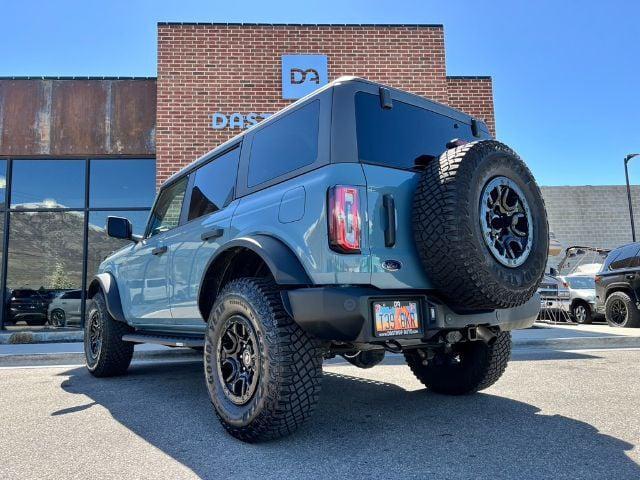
(214, 184)
(285, 145)
(166, 212)
(72, 295)
(626, 258)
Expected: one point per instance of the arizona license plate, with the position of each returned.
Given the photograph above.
(396, 317)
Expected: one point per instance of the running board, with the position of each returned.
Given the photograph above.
(167, 340)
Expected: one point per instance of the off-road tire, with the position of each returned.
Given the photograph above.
(575, 313)
(449, 238)
(632, 319)
(481, 366)
(114, 355)
(290, 373)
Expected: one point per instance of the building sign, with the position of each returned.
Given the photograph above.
(241, 121)
(302, 74)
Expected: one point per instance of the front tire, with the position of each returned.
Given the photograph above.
(105, 352)
(263, 372)
(469, 368)
(620, 311)
(582, 314)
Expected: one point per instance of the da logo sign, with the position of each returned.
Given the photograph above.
(302, 74)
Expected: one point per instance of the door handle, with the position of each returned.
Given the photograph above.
(159, 250)
(212, 234)
(390, 229)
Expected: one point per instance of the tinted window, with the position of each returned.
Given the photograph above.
(581, 282)
(166, 212)
(285, 145)
(122, 183)
(214, 184)
(48, 184)
(396, 137)
(72, 295)
(626, 257)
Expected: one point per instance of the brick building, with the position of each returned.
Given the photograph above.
(237, 68)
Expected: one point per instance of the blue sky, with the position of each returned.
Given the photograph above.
(566, 73)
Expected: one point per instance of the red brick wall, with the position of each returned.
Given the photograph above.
(207, 68)
(473, 95)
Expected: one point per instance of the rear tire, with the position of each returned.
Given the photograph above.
(480, 365)
(263, 372)
(106, 354)
(621, 311)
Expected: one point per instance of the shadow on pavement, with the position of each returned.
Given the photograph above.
(361, 428)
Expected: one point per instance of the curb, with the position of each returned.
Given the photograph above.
(580, 343)
(15, 338)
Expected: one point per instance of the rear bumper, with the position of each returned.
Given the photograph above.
(346, 313)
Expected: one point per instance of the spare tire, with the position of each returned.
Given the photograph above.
(480, 227)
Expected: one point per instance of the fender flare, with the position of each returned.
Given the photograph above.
(106, 283)
(284, 265)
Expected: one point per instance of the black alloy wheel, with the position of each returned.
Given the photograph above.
(238, 360)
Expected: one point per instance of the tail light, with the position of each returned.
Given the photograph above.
(344, 219)
(598, 279)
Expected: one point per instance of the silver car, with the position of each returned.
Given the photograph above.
(65, 308)
(582, 297)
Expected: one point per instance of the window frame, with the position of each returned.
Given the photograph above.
(324, 146)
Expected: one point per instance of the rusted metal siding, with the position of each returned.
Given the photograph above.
(60, 117)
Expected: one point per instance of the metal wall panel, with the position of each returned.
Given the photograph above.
(62, 117)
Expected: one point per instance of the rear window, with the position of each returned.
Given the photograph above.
(285, 145)
(581, 282)
(395, 137)
(623, 257)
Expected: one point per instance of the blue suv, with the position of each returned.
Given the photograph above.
(359, 220)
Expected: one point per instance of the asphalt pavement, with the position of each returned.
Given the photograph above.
(554, 414)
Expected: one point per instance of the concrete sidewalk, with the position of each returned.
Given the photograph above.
(555, 337)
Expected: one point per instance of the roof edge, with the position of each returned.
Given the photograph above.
(31, 77)
(246, 24)
(470, 77)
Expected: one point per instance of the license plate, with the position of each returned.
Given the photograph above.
(396, 317)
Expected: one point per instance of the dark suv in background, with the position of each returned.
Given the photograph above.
(618, 287)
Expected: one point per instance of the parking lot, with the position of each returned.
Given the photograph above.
(554, 414)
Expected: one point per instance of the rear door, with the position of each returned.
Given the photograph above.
(390, 141)
(209, 207)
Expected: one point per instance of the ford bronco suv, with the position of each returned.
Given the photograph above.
(359, 220)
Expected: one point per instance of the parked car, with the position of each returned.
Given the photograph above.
(65, 308)
(554, 299)
(582, 298)
(618, 287)
(357, 221)
(27, 305)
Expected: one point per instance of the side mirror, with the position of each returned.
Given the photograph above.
(553, 272)
(118, 227)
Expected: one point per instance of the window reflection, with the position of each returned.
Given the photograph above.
(3, 182)
(122, 183)
(45, 259)
(48, 184)
(100, 245)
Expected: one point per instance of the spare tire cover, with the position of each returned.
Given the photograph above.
(480, 227)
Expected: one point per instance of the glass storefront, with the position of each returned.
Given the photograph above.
(56, 231)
